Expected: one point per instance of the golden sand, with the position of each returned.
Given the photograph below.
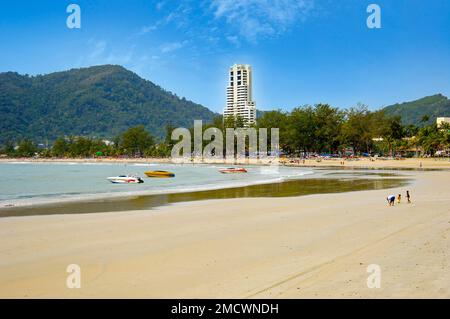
(310, 246)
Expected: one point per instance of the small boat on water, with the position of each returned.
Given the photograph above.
(232, 170)
(159, 174)
(125, 179)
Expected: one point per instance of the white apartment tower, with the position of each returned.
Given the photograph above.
(239, 94)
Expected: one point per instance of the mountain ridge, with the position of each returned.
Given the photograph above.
(412, 112)
(100, 101)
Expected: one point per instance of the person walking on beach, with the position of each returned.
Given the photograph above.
(399, 198)
(391, 200)
(408, 197)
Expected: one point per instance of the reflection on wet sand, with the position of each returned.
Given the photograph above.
(285, 189)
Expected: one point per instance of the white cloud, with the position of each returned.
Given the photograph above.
(101, 53)
(98, 50)
(172, 46)
(147, 29)
(178, 16)
(256, 18)
(205, 27)
(233, 39)
(160, 5)
(119, 59)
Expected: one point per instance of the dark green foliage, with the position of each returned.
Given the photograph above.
(80, 147)
(306, 129)
(233, 122)
(433, 139)
(100, 101)
(324, 129)
(60, 147)
(421, 112)
(26, 149)
(8, 149)
(136, 141)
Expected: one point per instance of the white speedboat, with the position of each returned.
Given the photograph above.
(125, 179)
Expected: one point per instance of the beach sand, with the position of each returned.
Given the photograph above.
(363, 162)
(299, 247)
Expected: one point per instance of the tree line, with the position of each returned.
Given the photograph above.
(326, 129)
(323, 129)
(319, 129)
(135, 142)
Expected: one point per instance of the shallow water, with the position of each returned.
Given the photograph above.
(36, 183)
(289, 188)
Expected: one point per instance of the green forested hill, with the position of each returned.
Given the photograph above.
(412, 112)
(100, 101)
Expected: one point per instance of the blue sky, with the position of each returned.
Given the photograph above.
(302, 51)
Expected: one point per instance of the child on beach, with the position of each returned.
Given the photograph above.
(391, 200)
(399, 198)
(408, 197)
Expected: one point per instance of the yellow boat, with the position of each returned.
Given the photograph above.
(159, 174)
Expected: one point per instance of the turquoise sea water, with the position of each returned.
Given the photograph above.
(30, 183)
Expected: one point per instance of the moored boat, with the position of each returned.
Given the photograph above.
(232, 170)
(159, 174)
(125, 179)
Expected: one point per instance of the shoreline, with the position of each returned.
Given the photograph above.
(406, 163)
(137, 202)
(62, 201)
(314, 246)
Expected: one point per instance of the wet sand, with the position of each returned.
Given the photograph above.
(300, 187)
(293, 247)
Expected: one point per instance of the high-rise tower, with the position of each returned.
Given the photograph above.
(239, 94)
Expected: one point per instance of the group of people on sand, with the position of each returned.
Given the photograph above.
(391, 199)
